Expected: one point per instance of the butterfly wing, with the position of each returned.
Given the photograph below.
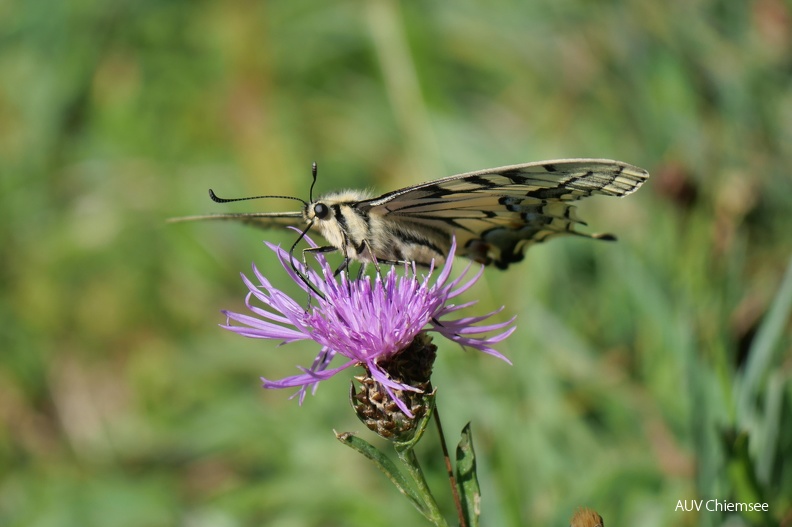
(264, 220)
(495, 214)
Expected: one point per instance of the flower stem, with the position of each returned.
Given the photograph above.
(432, 511)
(450, 471)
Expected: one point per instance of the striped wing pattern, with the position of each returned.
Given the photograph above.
(496, 214)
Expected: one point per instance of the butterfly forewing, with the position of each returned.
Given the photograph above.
(264, 220)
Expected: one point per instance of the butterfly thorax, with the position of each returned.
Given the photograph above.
(341, 223)
(349, 224)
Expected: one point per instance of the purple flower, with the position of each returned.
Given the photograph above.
(366, 322)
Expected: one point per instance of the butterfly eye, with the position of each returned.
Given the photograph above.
(321, 211)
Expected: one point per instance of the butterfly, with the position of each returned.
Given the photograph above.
(495, 214)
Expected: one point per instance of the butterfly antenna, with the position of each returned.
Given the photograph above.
(218, 199)
(313, 173)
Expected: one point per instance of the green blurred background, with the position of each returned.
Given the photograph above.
(645, 372)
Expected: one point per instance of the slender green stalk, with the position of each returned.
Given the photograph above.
(450, 470)
(432, 511)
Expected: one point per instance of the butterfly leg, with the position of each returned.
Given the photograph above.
(323, 249)
(313, 250)
(301, 273)
(344, 266)
(375, 261)
(361, 270)
(395, 262)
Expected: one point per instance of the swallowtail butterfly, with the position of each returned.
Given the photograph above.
(495, 214)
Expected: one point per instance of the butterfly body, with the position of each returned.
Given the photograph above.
(494, 214)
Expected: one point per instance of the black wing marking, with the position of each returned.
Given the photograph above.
(496, 214)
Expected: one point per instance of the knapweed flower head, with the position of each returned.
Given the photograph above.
(367, 321)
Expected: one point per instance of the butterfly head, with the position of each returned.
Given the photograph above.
(317, 210)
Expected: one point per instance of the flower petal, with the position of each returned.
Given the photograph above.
(307, 377)
(367, 320)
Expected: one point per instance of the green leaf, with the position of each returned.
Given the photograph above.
(470, 494)
(765, 349)
(419, 495)
(385, 464)
(742, 475)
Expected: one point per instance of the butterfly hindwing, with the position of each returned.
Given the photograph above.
(496, 214)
